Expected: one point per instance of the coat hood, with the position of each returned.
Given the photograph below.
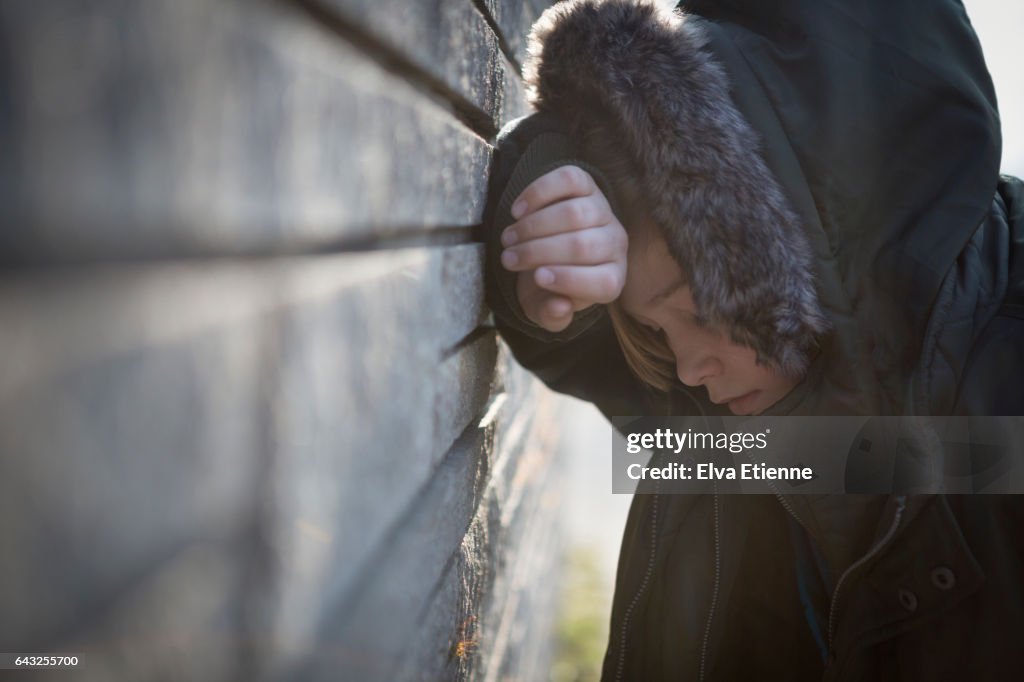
(645, 73)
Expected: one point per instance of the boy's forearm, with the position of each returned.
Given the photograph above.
(584, 359)
(589, 366)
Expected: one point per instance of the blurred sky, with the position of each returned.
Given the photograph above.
(1000, 26)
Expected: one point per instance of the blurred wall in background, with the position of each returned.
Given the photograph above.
(254, 422)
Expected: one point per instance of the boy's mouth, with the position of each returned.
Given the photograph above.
(743, 404)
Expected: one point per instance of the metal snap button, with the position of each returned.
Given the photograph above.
(908, 599)
(943, 578)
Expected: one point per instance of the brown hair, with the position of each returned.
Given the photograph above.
(646, 353)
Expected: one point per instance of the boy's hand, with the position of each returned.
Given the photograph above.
(567, 246)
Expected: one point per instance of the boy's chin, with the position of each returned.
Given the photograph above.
(747, 404)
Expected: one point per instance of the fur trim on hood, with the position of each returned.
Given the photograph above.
(646, 73)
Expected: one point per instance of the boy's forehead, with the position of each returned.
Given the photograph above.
(651, 272)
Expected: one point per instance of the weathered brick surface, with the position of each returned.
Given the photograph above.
(313, 460)
(520, 609)
(178, 622)
(378, 382)
(473, 626)
(447, 39)
(294, 395)
(185, 127)
(131, 425)
(514, 19)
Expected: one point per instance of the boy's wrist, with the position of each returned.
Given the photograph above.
(527, 149)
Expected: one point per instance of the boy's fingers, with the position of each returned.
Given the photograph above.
(562, 183)
(550, 311)
(556, 313)
(570, 215)
(583, 247)
(583, 283)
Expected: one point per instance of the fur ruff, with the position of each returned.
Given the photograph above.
(646, 73)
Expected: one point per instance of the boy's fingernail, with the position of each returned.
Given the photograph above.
(560, 308)
(518, 209)
(508, 237)
(545, 277)
(509, 259)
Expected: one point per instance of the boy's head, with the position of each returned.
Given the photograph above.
(663, 334)
(664, 337)
(639, 88)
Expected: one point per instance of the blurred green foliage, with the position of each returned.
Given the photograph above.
(584, 611)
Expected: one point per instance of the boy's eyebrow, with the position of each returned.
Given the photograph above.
(667, 291)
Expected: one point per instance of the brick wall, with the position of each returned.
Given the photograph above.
(254, 423)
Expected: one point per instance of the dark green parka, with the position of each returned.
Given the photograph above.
(876, 125)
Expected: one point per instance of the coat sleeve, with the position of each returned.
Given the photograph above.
(585, 359)
(990, 373)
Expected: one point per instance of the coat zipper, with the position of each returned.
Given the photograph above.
(718, 566)
(901, 502)
(640, 590)
(647, 576)
(620, 663)
(714, 590)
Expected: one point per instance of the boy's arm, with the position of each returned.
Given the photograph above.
(527, 149)
(584, 358)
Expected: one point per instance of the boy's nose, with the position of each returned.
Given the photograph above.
(695, 367)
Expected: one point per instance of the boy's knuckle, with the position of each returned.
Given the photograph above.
(528, 229)
(524, 255)
(605, 285)
(609, 245)
(575, 179)
(564, 176)
(579, 246)
(575, 214)
(616, 280)
(621, 240)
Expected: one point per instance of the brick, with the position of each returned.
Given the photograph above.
(171, 128)
(529, 560)
(367, 629)
(424, 611)
(515, 98)
(179, 622)
(379, 379)
(147, 407)
(502, 576)
(447, 39)
(131, 413)
(514, 19)
(277, 467)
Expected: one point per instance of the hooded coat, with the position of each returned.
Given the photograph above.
(826, 173)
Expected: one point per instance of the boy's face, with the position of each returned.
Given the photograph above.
(655, 296)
